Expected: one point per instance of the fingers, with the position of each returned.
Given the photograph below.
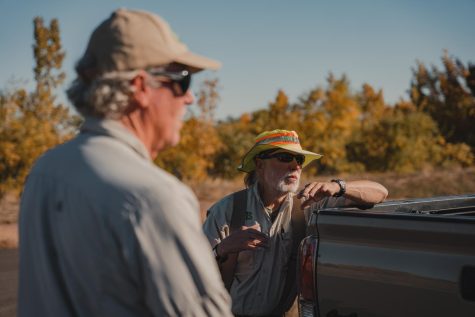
(255, 234)
(254, 230)
(315, 191)
(256, 226)
(253, 238)
(247, 238)
(257, 243)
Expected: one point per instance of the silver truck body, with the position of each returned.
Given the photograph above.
(400, 258)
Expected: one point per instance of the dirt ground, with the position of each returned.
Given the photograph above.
(8, 236)
(8, 282)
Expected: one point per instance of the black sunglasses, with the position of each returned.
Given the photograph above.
(284, 157)
(179, 81)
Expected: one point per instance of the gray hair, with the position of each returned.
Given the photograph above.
(106, 96)
(250, 178)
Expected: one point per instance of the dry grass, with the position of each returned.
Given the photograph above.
(426, 183)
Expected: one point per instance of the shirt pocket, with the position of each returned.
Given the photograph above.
(285, 247)
(245, 264)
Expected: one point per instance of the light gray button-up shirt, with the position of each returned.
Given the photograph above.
(260, 274)
(104, 232)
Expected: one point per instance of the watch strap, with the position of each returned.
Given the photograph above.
(342, 185)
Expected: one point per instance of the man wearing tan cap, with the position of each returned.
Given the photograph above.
(103, 231)
(255, 232)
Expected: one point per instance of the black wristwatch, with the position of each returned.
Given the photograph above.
(342, 185)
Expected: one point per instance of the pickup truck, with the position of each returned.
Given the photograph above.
(400, 258)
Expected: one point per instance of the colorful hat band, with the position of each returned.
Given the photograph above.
(278, 139)
(274, 140)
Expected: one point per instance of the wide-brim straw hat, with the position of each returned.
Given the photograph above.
(276, 139)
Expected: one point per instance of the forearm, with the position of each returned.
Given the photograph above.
(365, 192)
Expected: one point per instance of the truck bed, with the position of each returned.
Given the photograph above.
(399, 258)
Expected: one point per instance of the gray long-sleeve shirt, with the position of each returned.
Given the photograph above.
(104, 232)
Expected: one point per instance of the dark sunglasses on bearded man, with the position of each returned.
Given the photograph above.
(284, 157)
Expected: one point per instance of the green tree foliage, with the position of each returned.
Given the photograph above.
(355, 131)
(32, 122)
(338, 116)
(192, 159)
(324, 119)
(405, 140)
(237, 136)
(402, 141)
(448, 96)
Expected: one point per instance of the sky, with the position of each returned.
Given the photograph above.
(265, 45)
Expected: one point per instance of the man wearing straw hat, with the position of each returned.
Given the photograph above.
(103, 231)
(255, 232)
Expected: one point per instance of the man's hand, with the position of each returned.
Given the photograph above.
(315, 191)
(247, 238)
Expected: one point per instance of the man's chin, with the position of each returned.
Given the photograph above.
(288, 188)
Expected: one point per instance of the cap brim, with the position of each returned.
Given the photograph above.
(197, 62)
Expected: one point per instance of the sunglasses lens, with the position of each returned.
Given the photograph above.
(179, 82)
(181, 86)
(284, 157)
(300, 159)
(287, 158)
(185, 83)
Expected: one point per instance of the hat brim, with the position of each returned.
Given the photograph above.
(197, 62)
(248, 165)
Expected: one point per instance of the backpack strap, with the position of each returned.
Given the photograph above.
(299, 227)
(227, 268)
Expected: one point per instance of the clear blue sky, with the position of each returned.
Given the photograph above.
(266, 45)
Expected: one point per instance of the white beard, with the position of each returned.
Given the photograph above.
(282, 187)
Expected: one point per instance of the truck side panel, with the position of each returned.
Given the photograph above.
(395, 265)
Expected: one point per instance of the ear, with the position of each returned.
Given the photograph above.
(140, 93)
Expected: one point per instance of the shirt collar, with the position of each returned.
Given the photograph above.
(116, 130)
(257, 196)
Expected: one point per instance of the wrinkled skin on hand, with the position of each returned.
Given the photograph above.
(315, 191)
(246, 238)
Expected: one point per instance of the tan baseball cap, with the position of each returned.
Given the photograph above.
(132, 39)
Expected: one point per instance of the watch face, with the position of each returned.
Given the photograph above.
(342, 185)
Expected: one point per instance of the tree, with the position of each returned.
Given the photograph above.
(330, 125)
(32, 122)
(237, 137)
(405, 140)
(192, 158)
(448, 96)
